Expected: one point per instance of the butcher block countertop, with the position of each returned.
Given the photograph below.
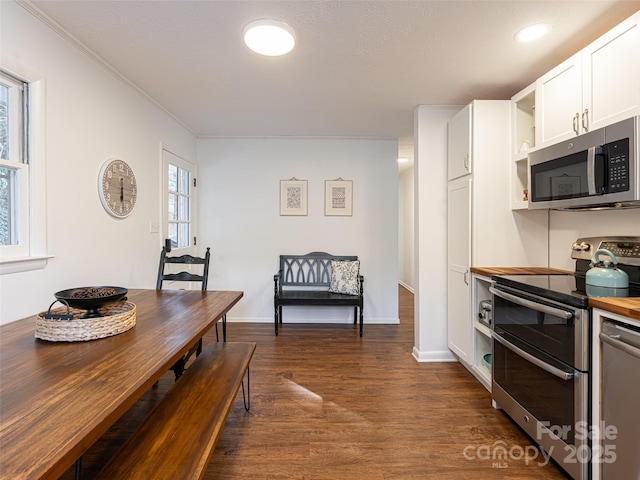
(488, 271)
(627, 307)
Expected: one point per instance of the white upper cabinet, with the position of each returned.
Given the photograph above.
(596, 87)
(611, 75)
(559, 102)
(459, 143)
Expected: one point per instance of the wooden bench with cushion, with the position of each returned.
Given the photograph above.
(176, 440)
(319, 279)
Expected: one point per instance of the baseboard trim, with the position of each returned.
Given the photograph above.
(408, 287)
(367, 320)
(437, 356)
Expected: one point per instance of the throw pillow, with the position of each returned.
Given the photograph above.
(344, 277)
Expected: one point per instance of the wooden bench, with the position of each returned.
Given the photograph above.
(305, 280)
(177, 438)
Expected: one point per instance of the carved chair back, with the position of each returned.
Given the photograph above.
(183, 276)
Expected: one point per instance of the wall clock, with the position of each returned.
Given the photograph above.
(117, 188)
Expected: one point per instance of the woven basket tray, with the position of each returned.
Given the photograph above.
(118, 318)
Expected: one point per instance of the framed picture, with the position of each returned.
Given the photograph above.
(293, 197)
(564, 186)
(338, 197)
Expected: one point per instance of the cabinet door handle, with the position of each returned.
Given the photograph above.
(466, 277)
(466, 161)
(585, 120)
(576, 119)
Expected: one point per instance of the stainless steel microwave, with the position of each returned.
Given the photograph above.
(598, 169)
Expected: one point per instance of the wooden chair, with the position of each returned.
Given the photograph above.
(184, 276)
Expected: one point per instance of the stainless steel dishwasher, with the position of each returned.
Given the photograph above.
(620, 394)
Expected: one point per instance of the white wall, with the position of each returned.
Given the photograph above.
(239, 218)
(430, 165)
(90, 117)
(406, 229)
(567, 227)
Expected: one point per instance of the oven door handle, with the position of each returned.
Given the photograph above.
(536, 361)
(539, 307)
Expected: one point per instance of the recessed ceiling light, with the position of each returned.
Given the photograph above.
(532, 32)
(268, 37)
(403, 160)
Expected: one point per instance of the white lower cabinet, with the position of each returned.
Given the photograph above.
(458, 259)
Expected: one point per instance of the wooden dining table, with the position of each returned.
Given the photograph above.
(58, 398)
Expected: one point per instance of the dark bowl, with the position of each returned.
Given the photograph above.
(91, 304)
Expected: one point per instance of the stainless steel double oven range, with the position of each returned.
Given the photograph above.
(541, 352)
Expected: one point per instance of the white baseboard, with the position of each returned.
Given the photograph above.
(438, 356)
(367, 320)
(408, 287)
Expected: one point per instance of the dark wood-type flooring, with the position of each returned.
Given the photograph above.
(327, 404)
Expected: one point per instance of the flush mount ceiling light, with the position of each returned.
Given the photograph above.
(268, 37)
(403, 160)
(532, 32)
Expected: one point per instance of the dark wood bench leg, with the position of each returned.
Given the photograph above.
(247, 398)
(277, 313)
(78, 468)
(361, 320)
(224, 329)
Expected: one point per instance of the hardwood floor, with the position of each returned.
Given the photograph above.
(327, 404)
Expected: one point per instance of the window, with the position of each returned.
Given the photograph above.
(178, 208)
(23, 229)
(179, 201)
(14, 166)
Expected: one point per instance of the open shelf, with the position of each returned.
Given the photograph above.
(524, 132)
(520, 184)
(482, 328)
(481, 332)
(522, 142)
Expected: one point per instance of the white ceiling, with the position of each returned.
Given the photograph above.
(359, 67)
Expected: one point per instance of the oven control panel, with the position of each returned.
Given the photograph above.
(625, 249)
